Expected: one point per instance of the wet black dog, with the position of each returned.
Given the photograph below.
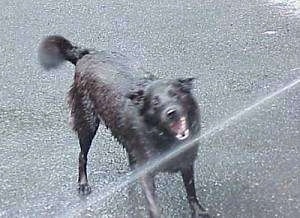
(148, 116)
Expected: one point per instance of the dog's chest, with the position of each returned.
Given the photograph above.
(181, 161)
(173, 164)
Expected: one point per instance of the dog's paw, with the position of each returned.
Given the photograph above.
(84, 189)
(198, 213)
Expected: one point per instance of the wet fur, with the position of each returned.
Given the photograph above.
(109, 88)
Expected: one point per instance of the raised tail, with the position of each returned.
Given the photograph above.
(55, 49)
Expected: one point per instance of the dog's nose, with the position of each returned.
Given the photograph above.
(171, 114)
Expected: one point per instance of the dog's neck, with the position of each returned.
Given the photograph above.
(160, 138)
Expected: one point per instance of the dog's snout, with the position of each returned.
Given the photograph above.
(172, 114)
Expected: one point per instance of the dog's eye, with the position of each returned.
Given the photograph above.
(155, 101)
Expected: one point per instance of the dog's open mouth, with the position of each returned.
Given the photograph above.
(179, 128)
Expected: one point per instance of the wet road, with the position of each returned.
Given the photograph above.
(240, 51)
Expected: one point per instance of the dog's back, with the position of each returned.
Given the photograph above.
(101, 80)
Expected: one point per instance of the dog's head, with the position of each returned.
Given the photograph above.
(165, 105)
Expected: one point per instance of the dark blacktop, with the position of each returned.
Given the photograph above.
(240, 52)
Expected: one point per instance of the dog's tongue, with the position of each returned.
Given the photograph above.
(178, 126)
(180, 129)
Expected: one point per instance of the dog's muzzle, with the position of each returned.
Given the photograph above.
(180, 128)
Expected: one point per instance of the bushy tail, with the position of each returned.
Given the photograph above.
(55, 49)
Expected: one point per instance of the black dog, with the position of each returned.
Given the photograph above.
(148, 116)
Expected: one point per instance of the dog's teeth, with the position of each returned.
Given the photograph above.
(184, 135)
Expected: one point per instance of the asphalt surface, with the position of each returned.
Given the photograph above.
(240, 52)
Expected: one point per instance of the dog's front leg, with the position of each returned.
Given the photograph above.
(189, 183)
(148, 187)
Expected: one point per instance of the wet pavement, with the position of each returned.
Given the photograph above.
(240, 52)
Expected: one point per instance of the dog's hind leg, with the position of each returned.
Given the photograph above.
(131, 161)
(86, 125)
(85, 141)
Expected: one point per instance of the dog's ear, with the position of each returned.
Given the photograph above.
(136, 96)
(186, 84)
